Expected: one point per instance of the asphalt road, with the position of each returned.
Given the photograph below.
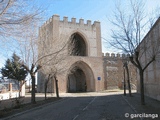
(107, 107)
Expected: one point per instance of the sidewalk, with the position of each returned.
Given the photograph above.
(152, 107)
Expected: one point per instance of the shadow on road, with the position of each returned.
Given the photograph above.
(90, 106)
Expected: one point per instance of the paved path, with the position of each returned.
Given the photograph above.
(94, 106)
(90, 106)
(40, 96)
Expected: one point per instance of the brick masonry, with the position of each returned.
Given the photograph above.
(54, 34)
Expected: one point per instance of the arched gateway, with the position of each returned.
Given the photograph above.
(80, 78)
(81, 66)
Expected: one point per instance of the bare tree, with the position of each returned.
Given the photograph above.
(124, 81)
(130, 25)
(27, 49)
(17, 22)
(50, 77)
(36, 65)
(15, 17)
(125, 61)
(125, 65)
(52, 69)
(16, 14)
(37, 53)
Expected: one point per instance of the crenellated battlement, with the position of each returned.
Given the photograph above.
(113, 55)
(72, 21)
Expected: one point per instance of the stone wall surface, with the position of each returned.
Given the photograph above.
(114, 71)
(151, 75)
(56, 34)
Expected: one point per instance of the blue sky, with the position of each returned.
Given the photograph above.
(94, 10)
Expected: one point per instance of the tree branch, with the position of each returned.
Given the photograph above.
(133, 62)
(153, 59)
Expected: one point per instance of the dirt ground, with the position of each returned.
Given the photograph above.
(20, 106)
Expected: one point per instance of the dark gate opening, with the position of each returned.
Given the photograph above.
(77, 81)
(77, 46)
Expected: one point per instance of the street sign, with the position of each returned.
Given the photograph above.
(99, 78)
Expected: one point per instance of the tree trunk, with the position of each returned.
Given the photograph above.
(29, 85)
(33, 89)
(45, 90)
(142, 86)
(52, 90)
(124, 83)
(19, 88)
(57, 91)
(46, 85)
(128, 80)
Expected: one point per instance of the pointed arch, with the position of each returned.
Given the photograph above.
(80, 78)
(78, 45)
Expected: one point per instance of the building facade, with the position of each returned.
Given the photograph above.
(83, 61)
(151, 43)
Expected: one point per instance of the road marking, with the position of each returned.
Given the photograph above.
(89, 104)
(134, 109)
(85, 107)
(75, 117)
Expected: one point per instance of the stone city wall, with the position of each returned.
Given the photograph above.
(114, 71)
